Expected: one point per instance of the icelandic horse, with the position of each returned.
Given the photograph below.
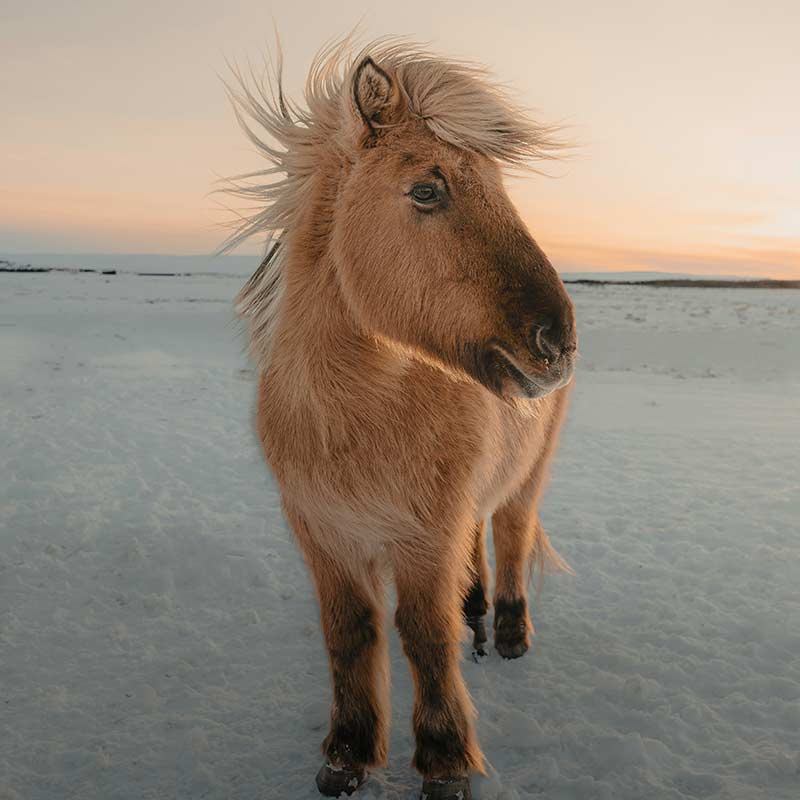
(414, 348)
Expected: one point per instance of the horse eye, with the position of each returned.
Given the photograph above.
(424, 194)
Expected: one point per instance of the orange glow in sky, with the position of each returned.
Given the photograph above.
(115, 123)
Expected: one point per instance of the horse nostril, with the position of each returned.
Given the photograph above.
(542, 342)
(550, 338)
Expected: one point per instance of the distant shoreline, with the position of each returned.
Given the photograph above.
(693, 283)
(656, 283)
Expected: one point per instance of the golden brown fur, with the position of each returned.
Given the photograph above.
(414, 359)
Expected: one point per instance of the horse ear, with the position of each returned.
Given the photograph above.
(375, 95)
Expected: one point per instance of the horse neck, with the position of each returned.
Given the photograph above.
(317, 336)
(325, 371)
(315, 319)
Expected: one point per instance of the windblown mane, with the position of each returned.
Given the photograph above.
(456, 100)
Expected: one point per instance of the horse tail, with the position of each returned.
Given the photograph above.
(545, 559)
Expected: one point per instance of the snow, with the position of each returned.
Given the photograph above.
(159, 636)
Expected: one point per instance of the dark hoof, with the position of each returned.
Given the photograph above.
(511, 635)
(333, 781)
(446, 789)
(512, 649)
(478, 655)
(478, 627)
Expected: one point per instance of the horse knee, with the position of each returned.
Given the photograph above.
(351, 631)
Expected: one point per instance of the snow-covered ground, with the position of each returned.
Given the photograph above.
(159, 637)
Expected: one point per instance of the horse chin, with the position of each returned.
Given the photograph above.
(512, 381)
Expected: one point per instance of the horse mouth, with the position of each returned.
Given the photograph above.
(511, 380)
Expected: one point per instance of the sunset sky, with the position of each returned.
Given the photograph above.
(115, 123)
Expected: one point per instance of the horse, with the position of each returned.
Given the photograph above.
(414, 350)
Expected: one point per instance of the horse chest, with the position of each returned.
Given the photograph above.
(513, 445)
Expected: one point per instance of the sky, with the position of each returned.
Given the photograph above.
(116, 124)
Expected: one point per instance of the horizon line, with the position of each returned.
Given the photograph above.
(570, 269)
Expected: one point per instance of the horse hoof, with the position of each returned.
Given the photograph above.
(446, 789)
(510, 635)
(511, 642)
(511, 649)
(333, 781)
(478, 627)
(478, 655)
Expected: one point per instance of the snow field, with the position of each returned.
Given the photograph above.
(159, 636)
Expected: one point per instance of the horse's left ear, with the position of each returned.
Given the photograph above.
(375, 95)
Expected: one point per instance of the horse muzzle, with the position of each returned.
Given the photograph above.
(528, 377)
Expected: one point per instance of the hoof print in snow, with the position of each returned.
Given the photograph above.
(333, 781)
(446, 789)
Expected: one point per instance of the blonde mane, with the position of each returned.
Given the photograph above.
(456, 100)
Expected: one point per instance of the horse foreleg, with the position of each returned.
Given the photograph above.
(429, 594)
(351, 612)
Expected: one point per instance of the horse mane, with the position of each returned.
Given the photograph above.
(457, 101)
